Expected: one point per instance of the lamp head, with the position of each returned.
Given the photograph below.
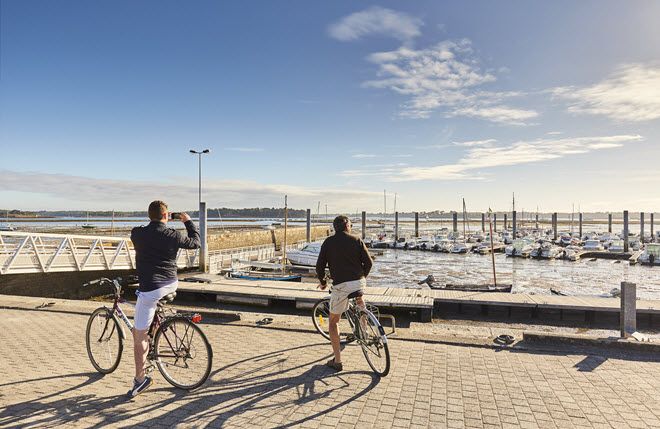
(192, 151)
(206, 151)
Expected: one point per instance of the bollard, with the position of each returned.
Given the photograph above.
(308, 231)
(416, 224)
(364, 225)
(396, 227)
(625, 231)
(203, 250)
(641, 227)
(580, 222)
(483, 222)
(513, 223)
(628, 314)
(454, 218)
(609, 222)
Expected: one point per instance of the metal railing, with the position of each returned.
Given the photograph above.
(25, 252)
(219, 259)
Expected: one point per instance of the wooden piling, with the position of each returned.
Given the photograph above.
(513, 223)
(483, 222)
(506, 226)
(580, 224)
(416, 224)
(454, 218)
(651, 225)
(495, 222)
(625, 231)
(609, 222)
(396, 226)
(308, 231)
(554, 226)
(537, 221)
(641, 227)
(364, 225)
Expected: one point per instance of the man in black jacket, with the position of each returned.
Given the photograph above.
(350, 263)
(156, 248)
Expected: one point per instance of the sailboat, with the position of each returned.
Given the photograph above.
(6, 226)
(88, 225)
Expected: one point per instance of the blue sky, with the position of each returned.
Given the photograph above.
(334, 102)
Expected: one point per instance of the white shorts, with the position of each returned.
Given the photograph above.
(145, 308)
(340, 292)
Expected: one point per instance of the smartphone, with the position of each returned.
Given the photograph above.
(175, 216)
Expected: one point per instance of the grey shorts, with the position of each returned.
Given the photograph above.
(340, 292)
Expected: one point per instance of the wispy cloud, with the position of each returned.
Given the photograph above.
(631, 93)
(444, 77)
(484, 156)
(244, 149)
(130, 194)
(376, 20)
(363, 155)
(472, 143)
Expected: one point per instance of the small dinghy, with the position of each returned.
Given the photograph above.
(253, 275)
(430, 281)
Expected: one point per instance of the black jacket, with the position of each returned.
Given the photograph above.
(156, 247)
(347, 257)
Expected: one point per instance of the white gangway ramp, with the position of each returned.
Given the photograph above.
(25, 252)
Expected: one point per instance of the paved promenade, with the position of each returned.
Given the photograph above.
(276, 378)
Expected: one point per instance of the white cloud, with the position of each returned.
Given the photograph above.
(134, 195)
(363, 155)
(554, 133)
(445, 76)
(244, 149)
(631, 93)
(471, 143)
(485, 154)
(376, 20)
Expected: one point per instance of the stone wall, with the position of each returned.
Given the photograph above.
(231, 239)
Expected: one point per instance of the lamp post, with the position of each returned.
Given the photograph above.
(200, 153)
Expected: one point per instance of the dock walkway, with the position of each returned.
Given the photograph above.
(304, 295)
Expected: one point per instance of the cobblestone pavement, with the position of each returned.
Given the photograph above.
(276, 378)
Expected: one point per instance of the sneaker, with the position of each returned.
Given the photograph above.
(140, 387)
(334, 365)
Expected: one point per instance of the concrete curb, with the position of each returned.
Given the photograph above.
(617, 344)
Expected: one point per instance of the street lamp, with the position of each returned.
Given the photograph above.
(200, 153)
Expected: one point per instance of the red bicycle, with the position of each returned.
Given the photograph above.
(177, 345)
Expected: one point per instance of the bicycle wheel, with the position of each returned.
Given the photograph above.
(374, 343)
(321, 320)
(104, 341)
(182, 353)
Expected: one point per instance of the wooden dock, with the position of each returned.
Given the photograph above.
(422, 301)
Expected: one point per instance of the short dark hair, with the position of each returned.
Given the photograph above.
(157, 210)
(340, 223)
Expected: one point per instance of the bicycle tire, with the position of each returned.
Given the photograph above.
(321, 317)
(374, 345)
(182, 329)
(107, 329)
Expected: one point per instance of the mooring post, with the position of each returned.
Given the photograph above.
(364, 225)
(652, 236)
(641, 227)
(537, 221)
(609, 222)
(483, 222)
(308, 231)
(554, 226)
(454, 219)
(396, 227)
(580, 222)
(416, 224)
(628, 314)
(203, 250)
(495, 222)
(625, 231)
(513, 223)
(505, 223)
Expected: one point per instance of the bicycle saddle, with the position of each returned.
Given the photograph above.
(167, 298)
(356, 294)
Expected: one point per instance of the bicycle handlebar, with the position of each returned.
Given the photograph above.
(124, 281)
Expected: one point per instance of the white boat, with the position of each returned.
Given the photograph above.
(546, 250)
(650, 255)
(593, 245)
(306, 256)
(615, 246)
(443, 246)
(6, 227)
(521, 247)
(460, 247)
(425, 243)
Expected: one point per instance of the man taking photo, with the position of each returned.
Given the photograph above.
(156, 248)
(350, 263)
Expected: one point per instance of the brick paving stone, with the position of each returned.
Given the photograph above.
(271, 378)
